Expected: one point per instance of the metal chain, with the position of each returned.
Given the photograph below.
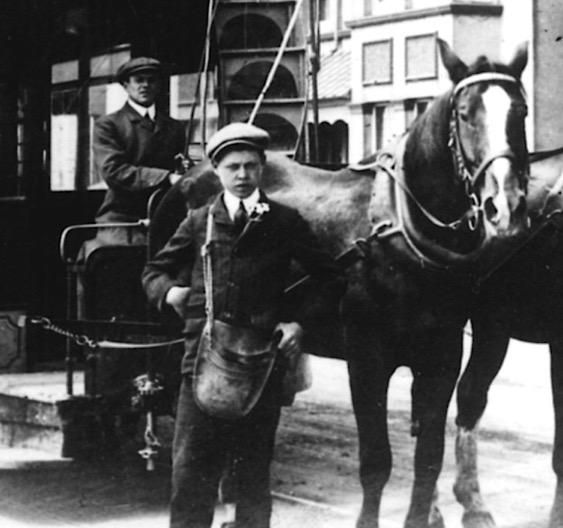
(84, 340)
(152, 444)
(79, 339)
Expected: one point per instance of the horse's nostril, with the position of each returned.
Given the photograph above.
(522, 206)
(490, 209)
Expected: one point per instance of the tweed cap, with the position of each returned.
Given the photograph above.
(137, 65)
(242, 134)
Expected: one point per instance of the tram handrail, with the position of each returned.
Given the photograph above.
(144, 222)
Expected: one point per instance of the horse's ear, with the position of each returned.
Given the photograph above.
(520, 59)
(455, 66)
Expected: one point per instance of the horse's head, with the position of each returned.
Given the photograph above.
(488, 140)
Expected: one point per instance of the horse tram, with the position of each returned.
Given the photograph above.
(429, 228)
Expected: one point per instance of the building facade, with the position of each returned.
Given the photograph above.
(390, 50)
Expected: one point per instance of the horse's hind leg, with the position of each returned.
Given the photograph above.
(432, 390)
(369, 383)
(487, 354)
(556, 518)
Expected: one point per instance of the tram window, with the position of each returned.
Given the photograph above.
(64, 133)
(64, 72)
(13, 106)
(107, 64)
(73, 112)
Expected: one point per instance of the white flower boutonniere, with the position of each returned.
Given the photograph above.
(259, 210)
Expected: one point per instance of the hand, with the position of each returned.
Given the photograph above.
(176, 297)
(290, 342)
(173, 177)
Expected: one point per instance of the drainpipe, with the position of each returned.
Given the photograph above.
(315, 59)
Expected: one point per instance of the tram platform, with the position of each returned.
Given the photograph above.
(38, 415)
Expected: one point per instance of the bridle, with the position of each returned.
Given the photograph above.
(470, 178)
(391, 163)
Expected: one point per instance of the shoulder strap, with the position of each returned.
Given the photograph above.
(207, 269)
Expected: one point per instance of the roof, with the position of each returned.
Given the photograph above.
(334, 76)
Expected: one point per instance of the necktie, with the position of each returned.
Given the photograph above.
(149, 121)
(241, 218)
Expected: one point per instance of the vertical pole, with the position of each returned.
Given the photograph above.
(314, 30)
(210, 16)
(70, 316)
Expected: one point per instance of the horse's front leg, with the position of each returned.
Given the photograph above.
(369, 383)
(556, 348)
(433, 385)
(488, 351)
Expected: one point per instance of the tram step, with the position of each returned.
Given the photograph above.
(26, 423)
(36, 414)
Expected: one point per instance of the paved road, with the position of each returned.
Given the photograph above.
(316, 461)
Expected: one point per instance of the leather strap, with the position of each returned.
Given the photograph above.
(207, 269)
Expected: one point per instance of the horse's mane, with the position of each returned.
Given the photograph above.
(429, 132)
(482, 64)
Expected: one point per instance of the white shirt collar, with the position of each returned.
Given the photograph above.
(232, 202)
(142, 110)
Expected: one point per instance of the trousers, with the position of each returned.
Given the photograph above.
(202, 445)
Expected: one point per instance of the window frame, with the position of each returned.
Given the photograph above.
(424, 77)
(385, 81)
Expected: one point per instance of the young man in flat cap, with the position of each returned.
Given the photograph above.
(230, 402)
(134, 150)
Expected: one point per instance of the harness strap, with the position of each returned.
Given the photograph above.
(540, 155)
(487, 77)
(548, 220)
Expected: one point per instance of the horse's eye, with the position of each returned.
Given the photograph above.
(463, 114)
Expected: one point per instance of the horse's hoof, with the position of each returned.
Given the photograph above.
(478, 520)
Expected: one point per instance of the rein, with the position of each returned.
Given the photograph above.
(386, 161)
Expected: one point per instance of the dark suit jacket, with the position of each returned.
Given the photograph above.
(134, 160)
(250, 271)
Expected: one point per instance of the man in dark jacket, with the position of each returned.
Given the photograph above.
(134, 150)
(250, 261)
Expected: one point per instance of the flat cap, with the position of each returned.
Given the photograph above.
(242, 134)
(137, 65)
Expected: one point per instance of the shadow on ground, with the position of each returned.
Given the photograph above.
(108, 487)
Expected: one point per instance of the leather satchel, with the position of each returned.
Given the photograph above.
(233, 363)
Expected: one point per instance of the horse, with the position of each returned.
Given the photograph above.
(523, 299)
(415, 224)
